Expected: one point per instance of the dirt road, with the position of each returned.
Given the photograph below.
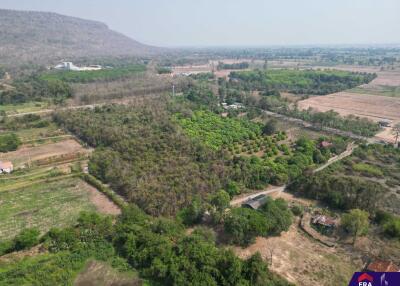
(346, 153)
(239, 200)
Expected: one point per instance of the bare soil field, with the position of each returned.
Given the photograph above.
(25, 154)
(101, 202)
(388, 78)
(374, 107)
(363, 105)
(192, 69)
(304, 261)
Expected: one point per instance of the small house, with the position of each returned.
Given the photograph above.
(384, 123)
(323, 220)
(382, 266)
(6, 167)
(256, 202)
(325, 144)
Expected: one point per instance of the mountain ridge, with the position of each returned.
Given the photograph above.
(42, 37)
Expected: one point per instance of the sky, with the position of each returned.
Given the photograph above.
(201, 23)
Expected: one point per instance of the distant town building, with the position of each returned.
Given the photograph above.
(323, 220)
(69, 66)
(6, 167)
(382, 266)
(256, 202)
(234, 106)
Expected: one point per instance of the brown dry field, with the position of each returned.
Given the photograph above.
(363, 105)
(302, 260)
(374, 107)
(25, 154)
(103, 204)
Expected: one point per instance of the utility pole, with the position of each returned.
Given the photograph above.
(173, 90)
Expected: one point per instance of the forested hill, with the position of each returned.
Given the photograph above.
(40, 37)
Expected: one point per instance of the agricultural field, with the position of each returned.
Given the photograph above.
(12, 109)
(38, 136)
(258, 159)
(65, 150)
(46, 203)
(373, 107)
(345, 103)
(216, 131)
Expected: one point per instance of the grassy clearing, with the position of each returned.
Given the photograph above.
(43, 205)
(30, 135)
(10, 109)
(382, 90)
(100, 273)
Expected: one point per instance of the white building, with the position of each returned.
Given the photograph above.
(69, 66)
(6, 167)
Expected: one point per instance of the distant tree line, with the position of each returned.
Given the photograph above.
(298, 81)
(234, 66)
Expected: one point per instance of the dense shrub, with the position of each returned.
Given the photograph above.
(244, 224)
(9, 142)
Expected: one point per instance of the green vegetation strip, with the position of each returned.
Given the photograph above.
(107, 74)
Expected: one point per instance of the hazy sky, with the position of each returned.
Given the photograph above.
(236, 22)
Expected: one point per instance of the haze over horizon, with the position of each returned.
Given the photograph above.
(237, 22)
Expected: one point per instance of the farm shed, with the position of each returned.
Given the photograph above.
(256, 202)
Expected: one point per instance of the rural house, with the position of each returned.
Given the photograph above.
(6, 167)
(325, 144)
(256, 202)
(382, 266)
(323, 220)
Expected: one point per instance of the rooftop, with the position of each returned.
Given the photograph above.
(255, 202)
(323, 220)
(382, 266)
(5, 165)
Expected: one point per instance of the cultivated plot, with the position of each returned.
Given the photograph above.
(53, 204)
